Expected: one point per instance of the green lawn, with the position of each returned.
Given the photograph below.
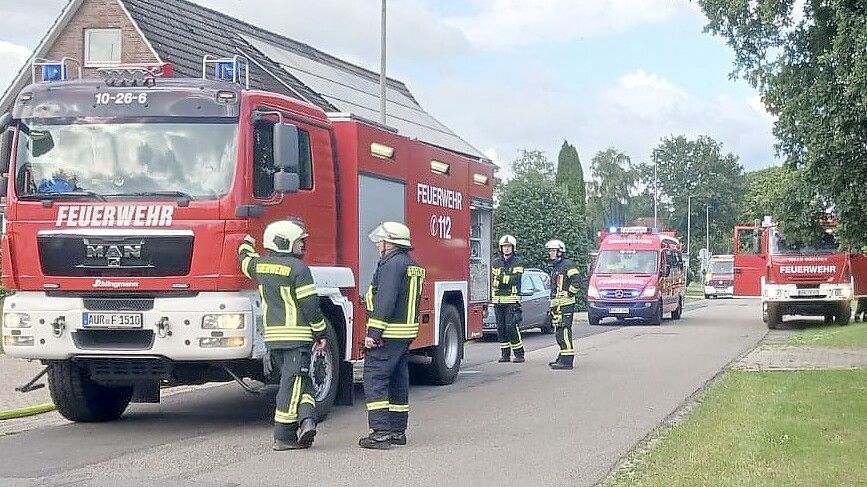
(764, 429)
(853, 335)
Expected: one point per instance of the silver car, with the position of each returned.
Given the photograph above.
(535, 302)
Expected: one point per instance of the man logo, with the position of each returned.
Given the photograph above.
(113, 254)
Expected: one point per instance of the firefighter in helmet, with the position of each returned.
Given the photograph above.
(506, 273)
(392, 323)
(565, 281)
(293, 322)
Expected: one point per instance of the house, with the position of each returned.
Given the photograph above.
(104, 33)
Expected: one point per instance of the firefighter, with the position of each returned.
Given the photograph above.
(565, 281)
(293, 322)
(506, 273)
(392, 323)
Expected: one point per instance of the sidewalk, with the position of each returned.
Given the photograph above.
(15, 373)
(787, 357)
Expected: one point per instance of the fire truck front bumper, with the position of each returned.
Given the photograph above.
(200, 327)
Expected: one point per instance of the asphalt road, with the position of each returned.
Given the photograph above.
(498, 424)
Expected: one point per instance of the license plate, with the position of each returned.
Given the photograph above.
(111, 320)
(619, 311)
(808, 292)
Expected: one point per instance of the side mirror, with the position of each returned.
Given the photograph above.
(286, 182)
(666, 270)
(5, 121)
(5, 150)
(286, 147)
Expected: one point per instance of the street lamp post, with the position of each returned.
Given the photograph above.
(655, 189)
(382, 69)
(688, 227)
(707, 228)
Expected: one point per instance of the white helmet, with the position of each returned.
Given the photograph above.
(508, 240)
(281, 236)
(556, 244)
(393, 232)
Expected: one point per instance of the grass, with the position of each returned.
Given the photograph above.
(763, 429)
(694, 292)
(853, 335)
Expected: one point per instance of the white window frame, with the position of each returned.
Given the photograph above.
(96, 64)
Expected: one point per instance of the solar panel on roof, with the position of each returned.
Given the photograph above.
(359, 96)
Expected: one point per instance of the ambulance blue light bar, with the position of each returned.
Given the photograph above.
(53, 72)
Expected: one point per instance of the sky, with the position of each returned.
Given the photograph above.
(508, 75)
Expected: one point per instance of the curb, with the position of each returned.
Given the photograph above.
(27, 411)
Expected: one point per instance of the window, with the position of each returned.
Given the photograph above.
(538, 283)
(264, 169)
(102, 47)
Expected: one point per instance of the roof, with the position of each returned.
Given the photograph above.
(181, 32)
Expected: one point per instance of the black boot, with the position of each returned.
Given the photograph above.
(562, 363)
(519, 356)
(285, 437)
(398, 437)
(306, 432)
(505, 355)
(378, 440)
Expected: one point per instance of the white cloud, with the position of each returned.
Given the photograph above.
(12, 57)
(509, 23)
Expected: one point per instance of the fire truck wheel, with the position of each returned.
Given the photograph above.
(844, 314)
(80, 399)
(657, 320)
(448, 354)
(592, 320)
(325, 373)
(677, 313)
(774, 317)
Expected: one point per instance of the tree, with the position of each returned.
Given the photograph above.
(570, 175)
(612, 190)
(766, 189)
(698, 168)
(534, 209)
(811, 70)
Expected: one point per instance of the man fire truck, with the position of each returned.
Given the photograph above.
(817, 279)
(127, 198)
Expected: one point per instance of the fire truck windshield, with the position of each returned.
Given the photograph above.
(780, 246)
(195, 160)
(627, 262)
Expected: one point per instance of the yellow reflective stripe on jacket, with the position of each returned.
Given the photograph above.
(305, 291)
(374, 405)
(378, 324)
(517, 270)
(400, 330)
(398, 408)
(318, 326)
(571, 272)
(504, 299)
(245, 265)
(246, 247)
(368, 297)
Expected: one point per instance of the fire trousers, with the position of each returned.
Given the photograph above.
(296, 396)
(386, 385)
(508, 333)
(561, 318)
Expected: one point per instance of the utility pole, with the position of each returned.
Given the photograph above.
(655, 190)
(382, 69)
(688, 228)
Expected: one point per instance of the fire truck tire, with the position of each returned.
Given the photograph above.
(593, 320)
(80, 399)
(844, 314)
(325, 373)
(774, 317)
(677, 313)
(446, 360)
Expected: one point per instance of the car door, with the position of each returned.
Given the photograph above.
(528, 302)
(540, 298)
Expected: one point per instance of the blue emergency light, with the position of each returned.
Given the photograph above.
(612, 229)
(53, 72)
(225, 69)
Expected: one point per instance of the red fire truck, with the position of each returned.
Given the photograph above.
(127, 199)
(794, 279)
(637, 274)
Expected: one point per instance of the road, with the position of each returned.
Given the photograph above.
(499, 424)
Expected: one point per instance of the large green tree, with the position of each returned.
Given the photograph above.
(699, 169)
(810, 67)
(570, 175)
(534, 209)
(613, 191)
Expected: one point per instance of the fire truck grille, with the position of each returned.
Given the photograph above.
(134, 369)
(122, 256)
(119, 304)
(113, 339)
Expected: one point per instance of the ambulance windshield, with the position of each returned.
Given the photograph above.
(627, 262)
(195, 160)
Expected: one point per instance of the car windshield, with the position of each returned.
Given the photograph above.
(195, 160)
(780, 246)
(723, 267)
(627, 262)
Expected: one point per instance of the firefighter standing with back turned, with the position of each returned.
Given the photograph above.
(506, 275)
(293, 321)
(392, 323)
(565, 279)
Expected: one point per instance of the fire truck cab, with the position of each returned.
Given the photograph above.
(638, 274)
(797, 279)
